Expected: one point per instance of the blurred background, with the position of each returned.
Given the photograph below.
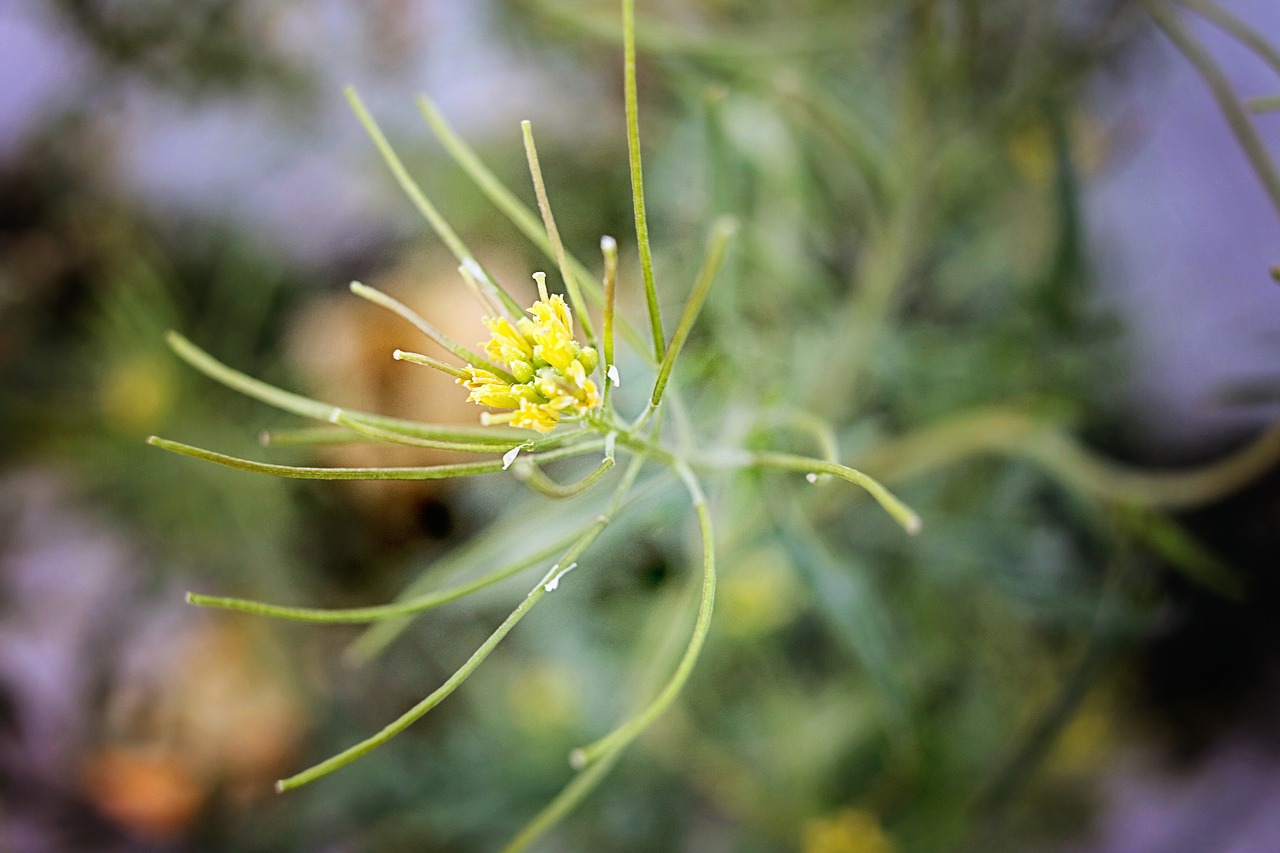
(959, 219)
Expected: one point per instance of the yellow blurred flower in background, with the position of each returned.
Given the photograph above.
(848, 831)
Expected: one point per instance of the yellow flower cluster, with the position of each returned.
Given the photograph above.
(551, 370)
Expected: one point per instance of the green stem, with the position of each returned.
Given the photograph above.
(392, 437)
(395, 306)
(429, 472)
(1263, 104)
(428, 210)
(637, 176)
(608, 367)
(721, 233)
(520, 216)
(317, 410)
(1224, 93)
(821, 432)
(1239, 30)
(901, 513)
(527, 472)
(427, 361)
(1014, 434)
(311, 436)
(407, 607)
(565, 802)
(609, 250)
(415, 713)
(620, 737)
(553, 233)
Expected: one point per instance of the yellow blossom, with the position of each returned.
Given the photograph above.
(850, 831)
(550, 368)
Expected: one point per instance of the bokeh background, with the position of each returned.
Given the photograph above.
(1008, 208)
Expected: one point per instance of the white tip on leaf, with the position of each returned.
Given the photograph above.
(811, 477)
(612, 373)
(335, 416)
(608, 244)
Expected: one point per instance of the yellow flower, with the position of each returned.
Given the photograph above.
(850, 831)
(550, 368)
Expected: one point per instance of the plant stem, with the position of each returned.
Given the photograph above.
(1223, 92)
(619, 738)
(428, 472)
(565, 802)
(531, 475)
(901, 513)
(553, 233)
(415, 713)
(1237, 29)
(637, 176)
(721, 233)
(608, 366)
(395, 306)
(320, 411)
(407, 607)
(519, 215)
(428, 210)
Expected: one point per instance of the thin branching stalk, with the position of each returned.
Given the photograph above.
(565, 802)
(377, 637)
(312, 436)
(395, 306)
(903, 514)
(619, 738)
(1019, 435)
(1263, 104)
(427, 361)
(527, 472)
(471, 278)
(545, 585)
(1237, 29)
(637, 176)
(316, 410)
(428, 472)
(341, 418)
(428, 210)
(723, 230)
(520, 216)
(1223, 92)
(553, 233)
(810, 424)
(407, 607)
(609, 250)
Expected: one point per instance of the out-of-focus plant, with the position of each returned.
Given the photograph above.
(535, 369)
(877, 311)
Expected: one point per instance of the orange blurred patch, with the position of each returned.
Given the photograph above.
(153, 794)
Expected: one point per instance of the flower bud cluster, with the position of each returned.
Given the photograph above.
(551, 370)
